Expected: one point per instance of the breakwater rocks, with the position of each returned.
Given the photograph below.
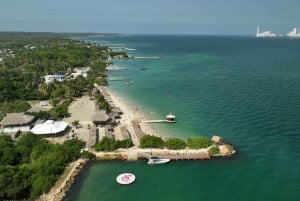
(110, 156)
(58, 193)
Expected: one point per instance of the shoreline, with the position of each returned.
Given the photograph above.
(58, 193)
(129, 117)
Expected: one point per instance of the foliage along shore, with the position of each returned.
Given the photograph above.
(112, 149)
(25, 58)
(30, 166)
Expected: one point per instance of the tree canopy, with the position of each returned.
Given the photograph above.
(198, 143)
(151, 141)
(109, 144)
(28, 59)
(30, 166)
(176, 143)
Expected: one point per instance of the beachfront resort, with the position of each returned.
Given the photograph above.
(73, 107)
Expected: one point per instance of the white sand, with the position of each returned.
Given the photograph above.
(82, 109)
(129, 114)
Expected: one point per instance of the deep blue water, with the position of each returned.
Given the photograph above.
(244, 89)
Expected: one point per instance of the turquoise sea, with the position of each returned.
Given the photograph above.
(243, 88)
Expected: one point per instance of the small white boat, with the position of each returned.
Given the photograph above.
(156, 160)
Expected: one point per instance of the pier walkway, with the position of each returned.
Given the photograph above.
(178, 156)
(159, 121)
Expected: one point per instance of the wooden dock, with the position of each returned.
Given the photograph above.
(178, 156)
(159, 121)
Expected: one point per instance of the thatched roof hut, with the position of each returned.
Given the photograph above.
(101, 118)
(116, 110)
(16, 119)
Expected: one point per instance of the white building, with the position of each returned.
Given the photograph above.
(264, 34)
(50, 128)
(83, 71)
(50, 78)
(293, 33)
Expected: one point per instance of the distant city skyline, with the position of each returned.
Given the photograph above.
(214, 17)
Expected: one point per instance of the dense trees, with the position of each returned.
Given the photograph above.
(214, 150)
(151, 141)
(15, 106)
(101, 102)
(198, 143)
(175, 143)
(108, 144)
(29, 57)
(20, 74)
(30, 166)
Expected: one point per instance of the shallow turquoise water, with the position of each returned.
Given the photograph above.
(244, 89)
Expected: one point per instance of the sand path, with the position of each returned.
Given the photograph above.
(82, 109)
(129, 114)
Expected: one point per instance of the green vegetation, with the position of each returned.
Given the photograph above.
(30, 166)
(151, 141)
(1, 115)
(108, 144)
(176, 143)
(88, 155)
(198, 143)
(122, 54)
(101, 102)
(30, 56)
(214, 150)
(15, 106)
(75, 123)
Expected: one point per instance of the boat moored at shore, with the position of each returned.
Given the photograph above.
(153, 160)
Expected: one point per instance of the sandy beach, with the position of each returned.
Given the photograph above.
(83, 109)
(130, 115)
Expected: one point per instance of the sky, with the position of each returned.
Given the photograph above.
(207, 17)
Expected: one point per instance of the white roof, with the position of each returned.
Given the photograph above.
(16, 129)
(49, 127)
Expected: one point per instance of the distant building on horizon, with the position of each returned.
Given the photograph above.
(264, 34)
(268, 34)
(293, 33)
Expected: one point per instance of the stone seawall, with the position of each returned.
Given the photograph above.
(58, 193)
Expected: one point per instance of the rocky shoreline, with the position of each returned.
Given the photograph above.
(58, 193)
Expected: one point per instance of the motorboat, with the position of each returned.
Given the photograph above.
(156, 160)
